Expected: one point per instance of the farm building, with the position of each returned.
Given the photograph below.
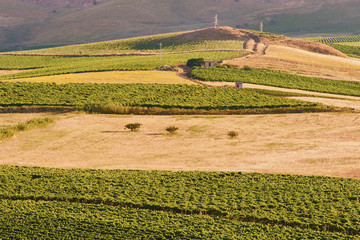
(210, 64)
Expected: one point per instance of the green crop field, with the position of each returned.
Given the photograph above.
(49, 65)
(278, 79)
(141, 95)
(52, 203)
(169, 43)
(350, 45)
(340, 39)
(350, 49)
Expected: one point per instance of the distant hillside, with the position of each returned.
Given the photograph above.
(28, 23)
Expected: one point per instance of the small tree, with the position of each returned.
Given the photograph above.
(247, 68)
(232, 134)
(172, 129)
(134, 127)
(195, 62)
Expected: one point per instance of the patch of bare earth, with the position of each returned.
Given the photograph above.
(6, 72)
(309, 144)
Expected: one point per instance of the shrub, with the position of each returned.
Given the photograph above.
(232, 134)
(195, 62)
(134, 127)
(248, 68)
(172, 129)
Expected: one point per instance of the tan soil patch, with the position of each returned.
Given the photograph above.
(331, 102)
(302, 62)
(6, 72)
(317, 143)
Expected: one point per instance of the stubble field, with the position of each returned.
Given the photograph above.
(309, 144)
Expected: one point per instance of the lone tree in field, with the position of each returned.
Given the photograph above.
(172, 129)
(134, 127)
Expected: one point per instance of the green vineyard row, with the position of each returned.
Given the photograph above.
(141, 95)
(278, 79)
(25, 219)
(318, 203)
(340, 39)
(148, 45)
(351, 51)
(50, 65)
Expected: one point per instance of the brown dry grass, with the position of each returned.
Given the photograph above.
(320, 144)
(161, 77)
(12, 119)
(302, 62)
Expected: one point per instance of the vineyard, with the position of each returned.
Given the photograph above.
(350, 45)
(140, 45)
(141, 95)
(350, 49)
(341, 39)
(278, 79)
(51, 203)
(50, 65)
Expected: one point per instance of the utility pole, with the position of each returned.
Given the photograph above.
(216, 22)
(244, 58)
(160, 53)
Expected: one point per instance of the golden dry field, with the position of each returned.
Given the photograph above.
(303, 62)
(161, 77)
(309, 144)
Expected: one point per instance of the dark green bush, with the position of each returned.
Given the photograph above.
(246, 67)
(195, 62)
(233, 134)
(134, 127)
(172, 129)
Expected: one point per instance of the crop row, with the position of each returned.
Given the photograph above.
(47, 65)
(349, 49)
(150, 45)
(318, 203)
(141, 95)
(340, 39)
(278, 79)
(24, 219)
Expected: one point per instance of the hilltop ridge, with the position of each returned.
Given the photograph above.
(230, 39)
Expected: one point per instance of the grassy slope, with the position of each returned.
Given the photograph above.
(119, 19)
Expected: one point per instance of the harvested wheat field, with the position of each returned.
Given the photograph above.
(316, 143)
(161, 77)
(303, 62)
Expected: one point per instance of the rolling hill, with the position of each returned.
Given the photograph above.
(36, 23)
